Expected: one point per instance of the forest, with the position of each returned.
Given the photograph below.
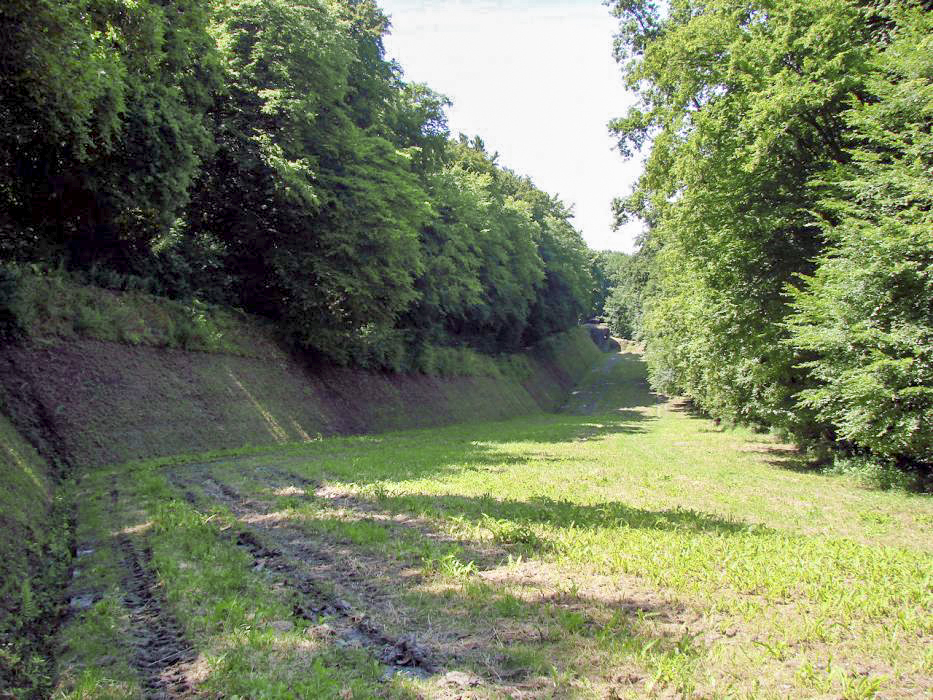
(785, 280)
(264, 154)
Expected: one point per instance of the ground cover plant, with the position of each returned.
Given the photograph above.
(33, 563)
(624, 547)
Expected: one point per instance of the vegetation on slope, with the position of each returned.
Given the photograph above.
(787, 189)
(34, 553)
(50, 305)
(264, 154)
(623, 548)
(90, 403)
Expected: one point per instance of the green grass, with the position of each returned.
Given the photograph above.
(48, 305)
(33, 557)
(621, 548)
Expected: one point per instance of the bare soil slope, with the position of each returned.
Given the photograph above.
(91, 402)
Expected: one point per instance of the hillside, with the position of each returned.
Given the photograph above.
(90, 401)
(106, 393)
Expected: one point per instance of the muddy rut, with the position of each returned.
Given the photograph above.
(157, 648)
(321, 582)
(161, 655)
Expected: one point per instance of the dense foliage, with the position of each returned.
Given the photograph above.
(624, 301)
(787, 191)
(265, 154)
(866, 314)
(605, 266)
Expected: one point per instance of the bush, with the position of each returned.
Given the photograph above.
(9, 301)
(876, 474)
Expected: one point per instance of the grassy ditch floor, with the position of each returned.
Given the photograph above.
(623, 548)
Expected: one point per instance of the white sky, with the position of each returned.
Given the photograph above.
(535, 79)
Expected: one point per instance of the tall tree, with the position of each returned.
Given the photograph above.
(316, 209)
(742, 105)
(105, 104)
(866, 315)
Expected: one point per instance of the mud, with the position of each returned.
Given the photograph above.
(352, 628)
(290, 557)
(161, 655)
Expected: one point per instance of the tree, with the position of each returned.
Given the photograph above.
(563, 297)
(742, 106)
(625, 301)
(316, 210)
(605, 267)
(865, 316)
(105, 102)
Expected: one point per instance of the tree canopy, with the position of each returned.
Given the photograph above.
(787, 194)
(266, 154)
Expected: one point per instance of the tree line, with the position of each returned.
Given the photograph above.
(265, 154)
(786, 277)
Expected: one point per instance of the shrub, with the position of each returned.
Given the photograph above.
(9, 301)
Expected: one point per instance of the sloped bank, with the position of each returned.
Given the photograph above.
(91, 402)
(34, 554)
(93, 383)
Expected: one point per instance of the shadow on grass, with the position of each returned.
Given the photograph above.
(550, 641)
(561, 427)
(515, 633)
(793, 461)
(689, 407)
(543, 510)
(442, 452)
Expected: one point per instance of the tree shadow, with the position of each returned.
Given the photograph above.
(518, 645)
(794, 461)
(544, 510)
(563, 427)
(511, 629)
(446, 451)
(688, 406)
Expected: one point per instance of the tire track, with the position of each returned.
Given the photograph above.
(286, 554)
(160, 653)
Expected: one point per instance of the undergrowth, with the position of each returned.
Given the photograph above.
(47, 303)
(34, 558)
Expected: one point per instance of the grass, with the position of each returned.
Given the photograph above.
(33, 557)
(623, 548)
(49, 304)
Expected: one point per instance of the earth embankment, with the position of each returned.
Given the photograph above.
(90, 402)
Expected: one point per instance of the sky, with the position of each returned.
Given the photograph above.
(535, 79)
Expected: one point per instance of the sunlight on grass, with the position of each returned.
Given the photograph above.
(598, 552)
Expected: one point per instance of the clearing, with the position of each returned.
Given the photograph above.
(621, 548)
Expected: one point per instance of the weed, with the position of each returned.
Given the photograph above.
(509, 606)
(447, 564)
(572, 621)
(508, 532)
(861, 687)
(525, 660)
